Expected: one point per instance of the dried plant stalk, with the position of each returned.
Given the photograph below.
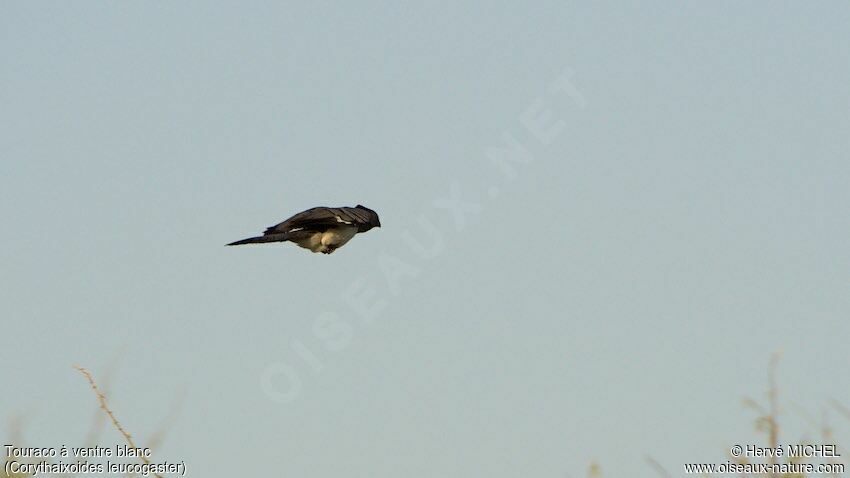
(103, 405)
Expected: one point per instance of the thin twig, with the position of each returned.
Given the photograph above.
(773, 394)
(657, 467)
(102, 399)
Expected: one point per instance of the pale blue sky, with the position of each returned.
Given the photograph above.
(617, 298)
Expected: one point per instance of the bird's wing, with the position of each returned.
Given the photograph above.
(321, 219)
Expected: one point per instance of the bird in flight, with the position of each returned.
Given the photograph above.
(320, 229)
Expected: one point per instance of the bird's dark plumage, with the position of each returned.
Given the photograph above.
(320, 229)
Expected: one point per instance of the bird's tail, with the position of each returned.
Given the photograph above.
(262, 239)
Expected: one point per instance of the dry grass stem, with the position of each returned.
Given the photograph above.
(105, 407)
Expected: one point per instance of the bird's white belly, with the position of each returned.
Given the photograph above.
(337, 237)
(329, 240)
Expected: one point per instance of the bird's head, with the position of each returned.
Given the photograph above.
(374, 221)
